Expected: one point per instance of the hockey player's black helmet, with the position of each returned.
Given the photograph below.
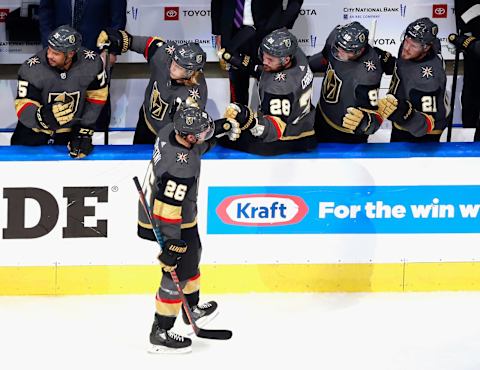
(65, 39)
(422, 30)
(189, 56)
(279, 43)
(193, 121)
(351, 37)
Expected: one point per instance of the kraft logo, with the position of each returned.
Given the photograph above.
(262, 210)
(171, 13)
(439, 10)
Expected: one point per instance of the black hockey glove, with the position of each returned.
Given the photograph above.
(396, 110)
(172, 252)
(238, 60)
(45, 118)
(116, 41)
(362, 121)
(53, 116)
(228, 127)
(242, 114)
(81, 143)
(461, 42)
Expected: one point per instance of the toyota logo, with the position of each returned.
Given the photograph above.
(440, 11)
(172, 13)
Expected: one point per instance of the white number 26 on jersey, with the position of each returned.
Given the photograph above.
(175, 191)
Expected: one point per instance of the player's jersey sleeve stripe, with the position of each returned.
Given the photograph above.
(378, 117)
(147, 47)
(166, 212)
(149, 43)
(22, 104)
(278, 124)
(98, 96)
(430, 122)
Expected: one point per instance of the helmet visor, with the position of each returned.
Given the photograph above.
(343, 55)
(206, 134)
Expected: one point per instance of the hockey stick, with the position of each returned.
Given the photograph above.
(372, 32)
(107, 74)
(201, 333)
(454, 88)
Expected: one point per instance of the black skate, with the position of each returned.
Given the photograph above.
(165, 341)
(202, 313)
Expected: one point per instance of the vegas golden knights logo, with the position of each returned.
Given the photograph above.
(72, 99)
(158, 107)
(392, 89)
(331, 86)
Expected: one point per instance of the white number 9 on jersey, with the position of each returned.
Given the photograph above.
(373, 97)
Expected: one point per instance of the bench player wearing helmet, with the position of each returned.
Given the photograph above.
(416, 100)
(347, 111)
(61, 91)
(171, 187)
(176, 75)
(284, 122)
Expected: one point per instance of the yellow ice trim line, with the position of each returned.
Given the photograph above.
(394, 277)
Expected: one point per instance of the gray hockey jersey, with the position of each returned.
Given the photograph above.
(171, 186)
(84, 84)
(349, 84)
(286, 95)
(162, 92)
(423, 84)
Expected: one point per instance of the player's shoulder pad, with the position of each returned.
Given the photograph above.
(371, 60)
(87, 55)
(31, 68)
(432, 73)
(36, 61)
(298, 76)
(383, 55)
(176, 159)
(197, 94)
(169, 47)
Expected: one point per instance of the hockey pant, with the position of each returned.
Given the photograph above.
(167, 299)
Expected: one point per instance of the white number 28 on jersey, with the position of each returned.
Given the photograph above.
(280, 107)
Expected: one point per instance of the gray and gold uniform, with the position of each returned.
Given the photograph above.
(417, 89)
(162, 93)
(285, 109)
(423, 84)
(171, 187)
(286, 97)
(352, 83)
(83, 85)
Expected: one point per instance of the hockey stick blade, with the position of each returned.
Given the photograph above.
(201, 333)
(214, 334)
